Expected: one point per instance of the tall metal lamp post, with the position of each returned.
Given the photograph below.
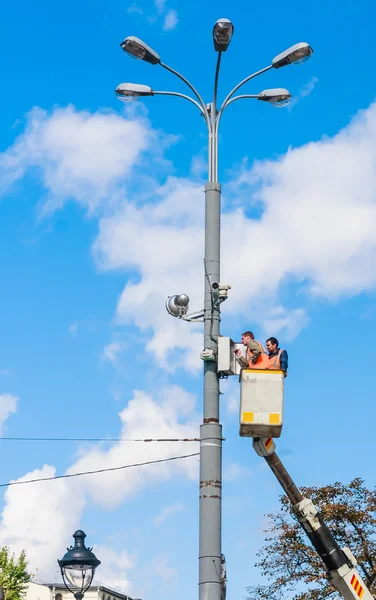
(78, 566)
(210, 579)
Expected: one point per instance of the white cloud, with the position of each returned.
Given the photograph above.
(112, 351)
(162, 569)
(171, 415)
(199, 164)
(317, 206)
(234, 471)
(319, 209)
(303, 92)
(37, 517)
(232, 402)
(168, 511)
(170, 20)
(6, 372)
(135, 9)
(171, 231)
(289, 322)
(160, 5)
(113, 571)
(73, 329)
(78, 155)
(8, 405)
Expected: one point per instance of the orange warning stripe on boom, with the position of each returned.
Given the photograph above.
(357, 586)
(268, 443)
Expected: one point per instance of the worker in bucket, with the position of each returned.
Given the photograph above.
(278, 359)
(256, 356)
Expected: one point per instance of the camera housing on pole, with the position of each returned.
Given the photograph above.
(221, 290)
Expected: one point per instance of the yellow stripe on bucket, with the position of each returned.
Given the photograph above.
(248, 417)
(274, 418)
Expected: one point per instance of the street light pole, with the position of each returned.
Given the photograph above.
(211, 586)
(210, 527)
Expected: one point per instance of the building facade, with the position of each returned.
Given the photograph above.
(57, 591)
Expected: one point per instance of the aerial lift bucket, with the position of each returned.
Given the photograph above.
(261, 403)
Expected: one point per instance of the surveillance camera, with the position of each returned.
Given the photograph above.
(221, 290)
(177, 305)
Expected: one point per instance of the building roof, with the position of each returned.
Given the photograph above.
(105, 588)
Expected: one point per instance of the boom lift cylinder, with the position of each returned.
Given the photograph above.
(339, 562)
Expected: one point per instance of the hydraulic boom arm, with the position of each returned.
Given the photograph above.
(339, 562)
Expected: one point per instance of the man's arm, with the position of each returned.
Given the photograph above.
(255, 349)
(284, 361)
(243, 361)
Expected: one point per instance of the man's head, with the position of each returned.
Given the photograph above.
(246, 337)
(271, 344)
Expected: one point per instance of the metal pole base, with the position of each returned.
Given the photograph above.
(210, 579)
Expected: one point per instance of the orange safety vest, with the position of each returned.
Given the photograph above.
(262, 361)
(274, 362)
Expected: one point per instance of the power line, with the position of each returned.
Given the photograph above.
(64, 439)
(149, 462)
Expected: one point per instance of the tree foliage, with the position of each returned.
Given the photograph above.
(14, 575)
(290, 563)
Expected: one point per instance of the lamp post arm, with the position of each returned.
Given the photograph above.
(163, 93)
(188, 83)
(211, 128)
(216, 84)
(213, 142)
(256, 96)
(227, 99)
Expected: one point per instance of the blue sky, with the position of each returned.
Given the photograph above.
(101, 218)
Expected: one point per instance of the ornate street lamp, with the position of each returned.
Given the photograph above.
(78, 566)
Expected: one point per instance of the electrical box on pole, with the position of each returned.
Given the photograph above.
(261, 403)
(227, 364)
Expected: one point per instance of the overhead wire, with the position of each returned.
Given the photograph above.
(70, 475)
(64, 439)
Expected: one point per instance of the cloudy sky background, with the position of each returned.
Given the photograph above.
(101, 217)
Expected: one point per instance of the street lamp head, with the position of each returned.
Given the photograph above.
(222, 34)
(138, 49)
(78, 566)
(296, 55)
(278, 97)
(126, 92)
(177, 305)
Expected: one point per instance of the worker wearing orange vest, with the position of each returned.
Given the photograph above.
(256, 356)
(278, 359)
